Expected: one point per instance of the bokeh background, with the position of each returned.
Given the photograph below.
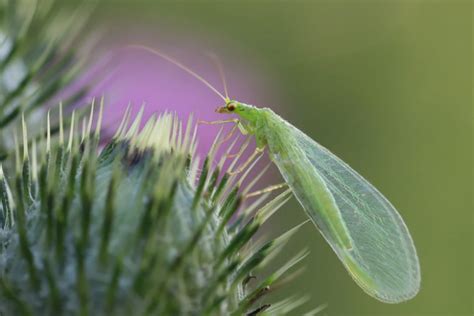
(386, 85)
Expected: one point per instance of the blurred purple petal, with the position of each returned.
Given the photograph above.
(141, 78)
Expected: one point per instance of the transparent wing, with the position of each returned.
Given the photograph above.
(383, 260)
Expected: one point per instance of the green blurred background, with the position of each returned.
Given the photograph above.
(387, 86)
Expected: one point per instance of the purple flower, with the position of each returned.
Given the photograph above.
(139, 77)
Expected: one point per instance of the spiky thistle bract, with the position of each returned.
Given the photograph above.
(141, 227)
(38, 60)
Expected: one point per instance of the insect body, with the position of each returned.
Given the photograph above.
(362, 227)
(306, 183)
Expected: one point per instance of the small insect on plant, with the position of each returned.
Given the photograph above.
(362, 227)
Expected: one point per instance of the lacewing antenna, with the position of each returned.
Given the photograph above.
(180, 65)
(215, 59)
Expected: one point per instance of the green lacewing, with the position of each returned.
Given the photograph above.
(359, 223)
(362, 227)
